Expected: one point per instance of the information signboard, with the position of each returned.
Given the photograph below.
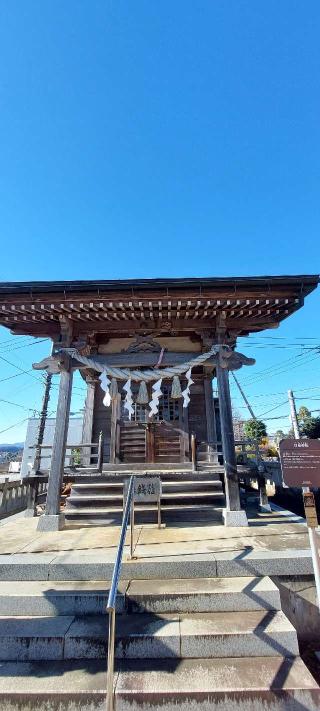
(146, 489)
(300, 462)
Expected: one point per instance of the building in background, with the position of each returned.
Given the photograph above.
(74, 437)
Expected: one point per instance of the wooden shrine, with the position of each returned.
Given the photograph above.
(141, 326)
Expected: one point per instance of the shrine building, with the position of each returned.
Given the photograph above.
(150, 352)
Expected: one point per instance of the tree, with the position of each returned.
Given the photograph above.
(255, 429)
(311, 428)
(278, 436)
(303, 413)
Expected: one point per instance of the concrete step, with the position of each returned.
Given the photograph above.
(147, 514)
(207, 484)
(87, 476)
(65, 597)
(235, 684)
(202, 595)
(98, 564)
(78, 598)
(201, 635)
(116, 500)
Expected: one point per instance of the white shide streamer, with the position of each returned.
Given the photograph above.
(128, 403)
(156, 394)
(186, 392)
(105, 382)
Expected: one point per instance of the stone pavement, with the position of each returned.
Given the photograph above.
(200, 623)
(274, 543)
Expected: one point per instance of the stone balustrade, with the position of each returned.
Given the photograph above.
(18, 495)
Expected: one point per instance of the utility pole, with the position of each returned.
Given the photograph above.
(293, 415)
(244, 397)
(43, 419)
(263, 496)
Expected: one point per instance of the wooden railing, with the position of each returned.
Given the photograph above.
(78, 452)
(22, 494)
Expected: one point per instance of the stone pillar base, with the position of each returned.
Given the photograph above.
(234, 518)
(265, 508)
(49, 522)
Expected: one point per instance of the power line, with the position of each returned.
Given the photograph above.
(18, 368)
(25, 345)
(16, 404)
(272, 372)
(15, 425)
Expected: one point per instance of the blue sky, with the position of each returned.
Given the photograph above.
(143, 139)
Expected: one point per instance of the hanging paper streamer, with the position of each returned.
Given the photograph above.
(113, 389)
(176, 388)
(186, 391)
(128, 403)
(105, 382)
(142, 397)
(156, 394)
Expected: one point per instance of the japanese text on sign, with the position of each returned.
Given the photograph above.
(300, 462)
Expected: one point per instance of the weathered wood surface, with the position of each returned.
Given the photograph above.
(210, 414)
(87, 427)
(59, 443)
(228, 444)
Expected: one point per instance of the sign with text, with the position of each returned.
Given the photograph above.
(300, 462)
(145, 488)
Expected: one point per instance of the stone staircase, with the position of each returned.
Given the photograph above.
(198, 643)
(186, 496)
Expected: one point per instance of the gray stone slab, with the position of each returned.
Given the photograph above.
(148, 636)
(253, 562)
(235, 684)
(25, 566)
(33, 638)
(58, 598)
(145, 637)
(238, 634)
(203, 595)
(51, 522)
(93, 565)
(165, 685)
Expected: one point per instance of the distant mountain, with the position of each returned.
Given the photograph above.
(13, 447)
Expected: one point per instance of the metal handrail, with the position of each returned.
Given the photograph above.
(111, 604)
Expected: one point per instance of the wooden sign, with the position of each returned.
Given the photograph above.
(310, 509)
(300, 462)
(145, 488)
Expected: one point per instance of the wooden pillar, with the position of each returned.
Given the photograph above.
(233, 514)
(53, 520)
(210, 415)
(88, 419)
(115, 417)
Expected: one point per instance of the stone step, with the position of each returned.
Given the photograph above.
(98, 564)
(116, 500)
(78, 598)
(201, 635)
(167, 478)
(206, 484)
(236, 684)
(202, 595)
(146, 514)
(65, 597)
(86, 476)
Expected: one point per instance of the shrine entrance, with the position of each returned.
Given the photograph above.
(163, 438)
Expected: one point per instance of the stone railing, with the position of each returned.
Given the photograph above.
(21, 495)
